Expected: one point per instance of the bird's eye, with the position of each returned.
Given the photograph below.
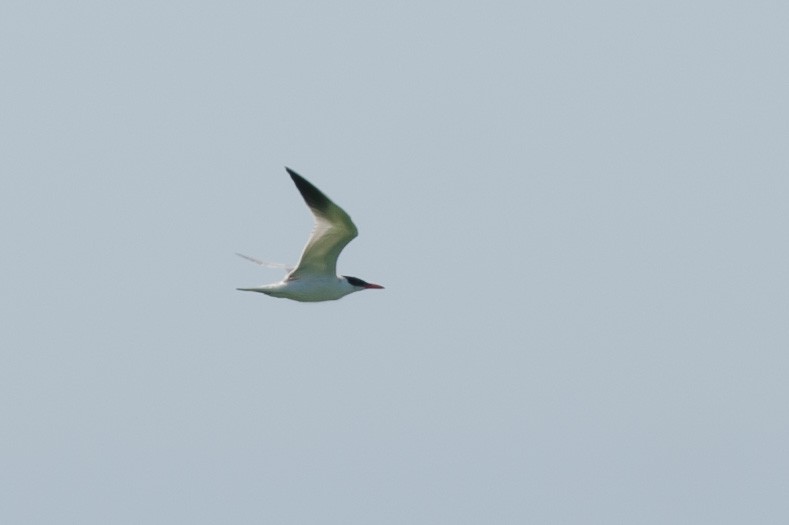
(355, 281)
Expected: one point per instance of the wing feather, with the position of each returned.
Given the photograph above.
(333, 230)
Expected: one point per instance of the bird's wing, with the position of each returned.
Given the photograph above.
(266, 264)
(333, 231)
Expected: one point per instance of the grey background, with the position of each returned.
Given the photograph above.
(578, 209)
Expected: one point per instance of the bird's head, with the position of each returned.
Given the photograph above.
(359, 284)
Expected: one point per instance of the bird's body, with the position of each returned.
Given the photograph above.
(307, 290)
(315, 276)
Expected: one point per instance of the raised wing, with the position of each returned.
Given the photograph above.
(333, 230)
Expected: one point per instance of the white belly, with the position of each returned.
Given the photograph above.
(309, 290)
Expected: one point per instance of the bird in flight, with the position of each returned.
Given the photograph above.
(315, 276)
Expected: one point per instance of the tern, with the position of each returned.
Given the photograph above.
(315, 276)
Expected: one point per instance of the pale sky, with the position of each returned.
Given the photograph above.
(578, 209)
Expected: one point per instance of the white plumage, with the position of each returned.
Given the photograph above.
(315, 276)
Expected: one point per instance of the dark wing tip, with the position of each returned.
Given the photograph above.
(312, 195)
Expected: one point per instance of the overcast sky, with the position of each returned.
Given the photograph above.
(578, 209)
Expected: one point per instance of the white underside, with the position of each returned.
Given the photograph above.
(308, 290)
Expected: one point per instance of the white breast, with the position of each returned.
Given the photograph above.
(310, 289)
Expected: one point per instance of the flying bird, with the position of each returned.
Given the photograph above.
(315, 276)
